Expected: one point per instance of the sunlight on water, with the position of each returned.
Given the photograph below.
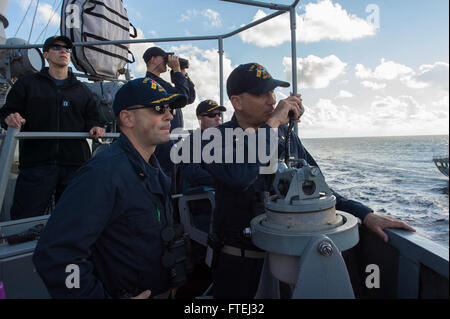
(392, 175)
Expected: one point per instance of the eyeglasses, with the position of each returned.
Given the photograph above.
(59, 47)
(211, 115)
(158, 109)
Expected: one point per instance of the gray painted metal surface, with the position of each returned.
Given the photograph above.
(442, 164)
(8, 198)
(322, 276)
(274, 6)
(420, 249)
(74, 135)
(187, 219)
(17, 270)
(294, 243)
(6, 159)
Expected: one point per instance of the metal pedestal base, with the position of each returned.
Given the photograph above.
(319, 277)
(310, 262)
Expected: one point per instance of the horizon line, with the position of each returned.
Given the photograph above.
(331, 137)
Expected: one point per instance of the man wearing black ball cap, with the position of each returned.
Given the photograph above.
(109, 221)
(240, 187)
(157, 60)
(52, 100)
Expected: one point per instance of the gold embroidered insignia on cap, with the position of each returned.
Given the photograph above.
(215, 107)
(260, 71)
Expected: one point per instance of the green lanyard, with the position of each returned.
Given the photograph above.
(159, 214)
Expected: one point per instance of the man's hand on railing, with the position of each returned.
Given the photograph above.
(14, 120)
(377, 223)
(97, 132)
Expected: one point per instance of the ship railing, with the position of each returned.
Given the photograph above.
(416, 254)
(8, 148)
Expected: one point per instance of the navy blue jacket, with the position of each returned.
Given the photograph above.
(49, 108)
(239, 185)
(193, 176)
(183, 85)
(108, 222)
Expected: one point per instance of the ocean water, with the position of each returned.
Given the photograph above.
(393, 175)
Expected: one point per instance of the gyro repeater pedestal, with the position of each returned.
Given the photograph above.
(303, 235)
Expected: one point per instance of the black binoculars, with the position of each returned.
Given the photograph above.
(177, 254)
(184, 63)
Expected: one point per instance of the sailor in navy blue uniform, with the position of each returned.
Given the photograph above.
(240, 186)
(194, 180)
(108, 222)
(193, 175)
(157, 61)
(52, 100)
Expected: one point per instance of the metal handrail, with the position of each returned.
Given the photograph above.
(414, 251)
(13, 134)
(280, 9)
(420, 249)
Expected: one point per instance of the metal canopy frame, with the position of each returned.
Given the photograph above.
(280, 9)
(12, 135)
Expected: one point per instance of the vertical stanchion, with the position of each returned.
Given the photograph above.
(293, 19)
(221, 73)
(6, 159)
(221, 69)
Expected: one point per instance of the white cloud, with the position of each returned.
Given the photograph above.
(23, 3)
(344, 94)
(362, 72)
(138, 68)
(387, 70)
(428, 75)
(435, 74)
(271, 33)
(46, 13)
(188, 15)
(212, 16)
(327, 118)
(315, 72)
(415, 101)
(153, 33)
(204, 72)
(390, 111)
(412, 83)
(323, 20)
(328, 20)
(373, 85)
(387, 115)
(443, 102)
(327, 111)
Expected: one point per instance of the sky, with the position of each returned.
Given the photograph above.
(364, 68)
